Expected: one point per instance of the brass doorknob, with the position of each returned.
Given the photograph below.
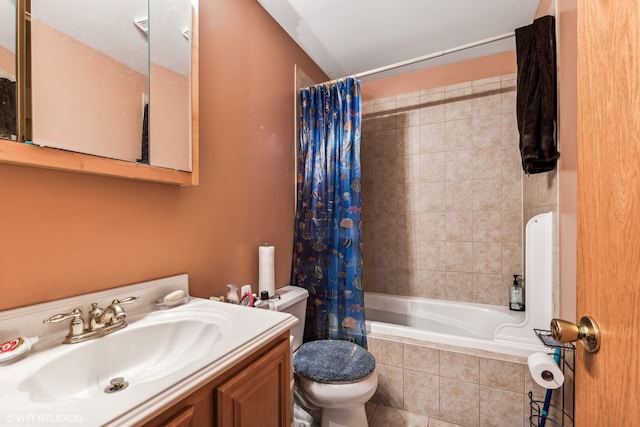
(587, 331)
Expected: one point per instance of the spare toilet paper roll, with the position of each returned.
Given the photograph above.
(545, 371)
(266, 269)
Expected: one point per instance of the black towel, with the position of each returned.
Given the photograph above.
(536, 95)
(8, 112)
(145, 136)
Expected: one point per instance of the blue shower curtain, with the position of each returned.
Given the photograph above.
(327, 256)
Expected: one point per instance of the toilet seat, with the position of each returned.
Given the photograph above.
(333, 362)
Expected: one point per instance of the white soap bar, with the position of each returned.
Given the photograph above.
(173, 296)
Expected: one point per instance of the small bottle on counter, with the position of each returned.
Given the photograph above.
(264, 302)
(232, 294)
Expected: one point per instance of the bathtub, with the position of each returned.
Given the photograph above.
(459, 324)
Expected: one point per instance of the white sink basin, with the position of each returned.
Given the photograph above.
(147, 350)
(164, 355)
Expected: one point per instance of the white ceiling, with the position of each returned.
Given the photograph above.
(8, 24)
(346, 37)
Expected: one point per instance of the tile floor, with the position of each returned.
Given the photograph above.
(386, 416)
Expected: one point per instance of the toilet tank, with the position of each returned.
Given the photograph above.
(293, 300)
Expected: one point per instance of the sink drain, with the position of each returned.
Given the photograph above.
(117, 384)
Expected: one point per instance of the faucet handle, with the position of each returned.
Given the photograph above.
(75, 314)
(127, 300)
(76, 327)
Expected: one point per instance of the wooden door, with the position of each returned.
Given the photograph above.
(608, 276)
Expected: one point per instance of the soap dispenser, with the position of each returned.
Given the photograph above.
(516, 294)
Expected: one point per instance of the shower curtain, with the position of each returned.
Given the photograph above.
(327, 256)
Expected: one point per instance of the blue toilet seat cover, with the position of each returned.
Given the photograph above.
(333, 361)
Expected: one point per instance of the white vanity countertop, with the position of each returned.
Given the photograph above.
(30, 398)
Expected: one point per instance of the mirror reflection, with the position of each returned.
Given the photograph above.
(170, 72)
(89, 76)
(112, 79)
(8, 94)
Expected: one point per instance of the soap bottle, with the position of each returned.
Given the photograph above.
(232, 294)
(516, 294)
(264, 302)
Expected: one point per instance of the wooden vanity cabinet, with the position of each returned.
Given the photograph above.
(255, 392)
(258, 395)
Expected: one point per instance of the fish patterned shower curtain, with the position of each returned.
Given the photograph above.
(327, 254)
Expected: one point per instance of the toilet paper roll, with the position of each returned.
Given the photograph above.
(545, 371)
(266, 269)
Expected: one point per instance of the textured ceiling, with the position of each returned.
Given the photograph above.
(345, 37)
(8, 24)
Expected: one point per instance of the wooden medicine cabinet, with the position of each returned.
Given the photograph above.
(106, 88)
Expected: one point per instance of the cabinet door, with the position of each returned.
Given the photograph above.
(196, 410)
(182, 419)
(259, 395)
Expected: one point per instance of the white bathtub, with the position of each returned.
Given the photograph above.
(447, 322)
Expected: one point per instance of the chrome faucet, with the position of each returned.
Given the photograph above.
(113, 314)
(101, 321)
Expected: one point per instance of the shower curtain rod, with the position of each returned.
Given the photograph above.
(426, 57)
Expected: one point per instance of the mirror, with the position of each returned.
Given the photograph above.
(8, 90)
(114, 80)
(89, 76)
(170, 66)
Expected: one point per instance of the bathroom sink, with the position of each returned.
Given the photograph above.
(145, 351)
(163, 355)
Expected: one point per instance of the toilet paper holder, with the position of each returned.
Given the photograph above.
(559, 412)
(547, 375)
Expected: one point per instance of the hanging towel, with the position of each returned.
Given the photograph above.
(144, 158)
(536, 95)
(8, 122)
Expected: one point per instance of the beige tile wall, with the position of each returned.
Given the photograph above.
(444, 204)
(454, 385)
(442, 192)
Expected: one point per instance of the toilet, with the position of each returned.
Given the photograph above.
(336, 377)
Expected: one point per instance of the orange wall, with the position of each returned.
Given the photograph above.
(65, 233)
(475, 69)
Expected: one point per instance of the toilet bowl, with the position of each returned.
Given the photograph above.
(337, 377)
(342, 404)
